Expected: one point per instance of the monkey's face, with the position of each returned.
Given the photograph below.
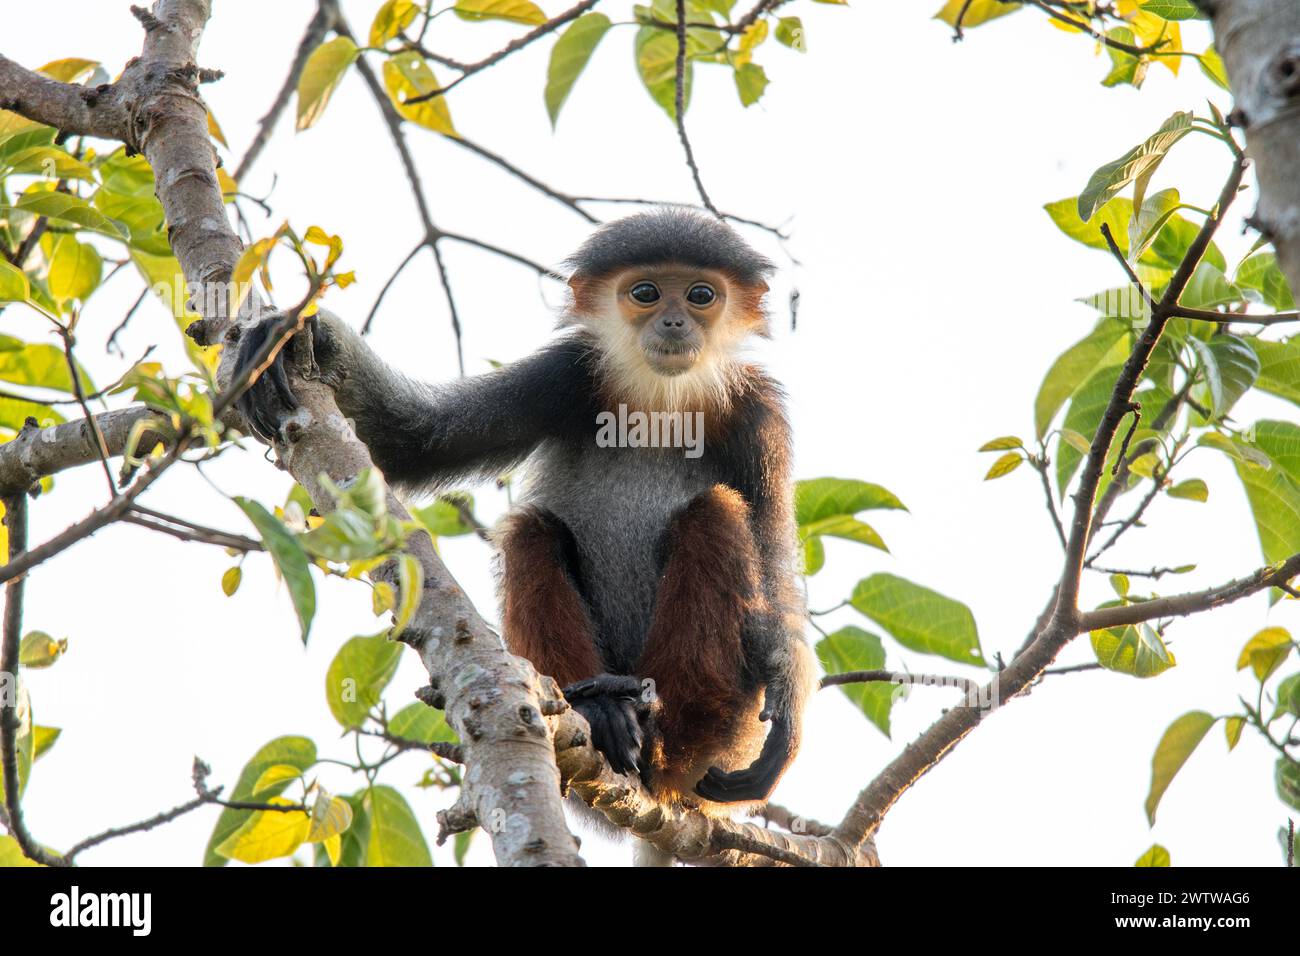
(674, 311)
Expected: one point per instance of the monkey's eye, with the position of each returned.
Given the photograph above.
(645, 293)
(701, 295)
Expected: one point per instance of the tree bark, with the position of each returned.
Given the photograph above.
(1259, 41)
(494, 701)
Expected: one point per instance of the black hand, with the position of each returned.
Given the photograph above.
(266, 402)
(612, 707)
(757, 780)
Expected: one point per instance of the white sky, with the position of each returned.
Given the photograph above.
(935, 293)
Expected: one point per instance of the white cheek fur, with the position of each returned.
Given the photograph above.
(707, 384)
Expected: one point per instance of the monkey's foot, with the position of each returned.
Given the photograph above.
(612, 705)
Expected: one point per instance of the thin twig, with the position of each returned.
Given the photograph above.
(16, 523)
(679, 111)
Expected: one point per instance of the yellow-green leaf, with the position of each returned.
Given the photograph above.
(321, 75)
(1156, 856)
(1134, 650)
(514, 11)
(289, 558)
(1232, 727)
(393, 17)
(409, 75)
(275, 777)
(75, 269)
(330, 816)
(37, 649)
(230, 580)
(14, 286)
(1265, 652)
(1193, 489)
(358, 675)
(268, 835)
(569, 57)
(1005, 465)
(1177, 744)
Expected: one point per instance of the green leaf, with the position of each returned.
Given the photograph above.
(1288, 696)
(297, 751)
(1231, 368)
(443, 519)
(814, 556)
(289, 558)
(790, 32)
(40, 366)
(1135, 651)
(1177, 744)
(1156, 856)
(751, 82)
(392, 18)
(49, 161)
(1105, 347)
(1173, 9)
(37, 650)
(846, 527)
(1211, 65)
(1265, 652)
(853, 649)
(1209, 288)
(1005, 465)
(1138, 163)
(14, 286)
(1002, 444)
(656, 62)
(11, 854)
(1125, 68)
(1260, 274)
(979, 12)
(514, 11)
(409, 75)
(276, 776)
(68, 208)
(358, 675)
(918, 618)
(395, 837)
(1286, 775)
(569, 57)
(1193, 489)
(1273, 493)
(1232, 727)
(818, 498)
(267, 835)
(321, 75)
(43, 738)
(410, 586)
(423, 723)
(74, 270)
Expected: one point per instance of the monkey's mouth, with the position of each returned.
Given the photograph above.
(671, 359)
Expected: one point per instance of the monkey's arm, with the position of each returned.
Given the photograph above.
(776, 655)
(425, 435)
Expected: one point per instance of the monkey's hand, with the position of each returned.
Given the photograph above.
(613, 706)
(759, 779)
(269, 400)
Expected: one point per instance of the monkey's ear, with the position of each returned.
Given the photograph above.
(584, 294)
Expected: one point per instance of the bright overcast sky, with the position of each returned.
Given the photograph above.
(934, 294)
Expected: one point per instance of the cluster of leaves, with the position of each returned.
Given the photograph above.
(1200, 371)
(73, 216)
(1134, 33)
(914, 616)
(1274, 714)
(372, 826)
(400, 27)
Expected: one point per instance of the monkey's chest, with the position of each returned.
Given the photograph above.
(618, 503)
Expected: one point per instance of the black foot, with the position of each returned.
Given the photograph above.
(613, 707)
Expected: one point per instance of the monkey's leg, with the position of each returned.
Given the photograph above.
(694, 651)
(546, 620)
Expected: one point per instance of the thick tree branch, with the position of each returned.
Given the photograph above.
(491, 698)
(1259, 41)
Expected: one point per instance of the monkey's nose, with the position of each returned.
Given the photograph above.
(672, 322)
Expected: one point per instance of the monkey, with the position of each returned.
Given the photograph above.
(656, 586)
